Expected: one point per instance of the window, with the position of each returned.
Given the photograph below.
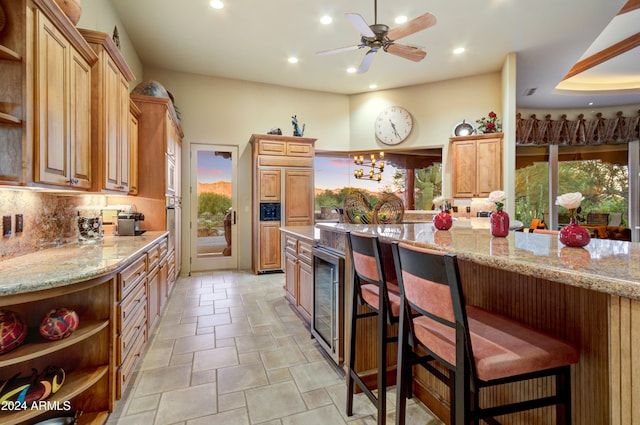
(600, 173)
(334, 178)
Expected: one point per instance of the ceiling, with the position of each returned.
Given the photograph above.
(252, 40)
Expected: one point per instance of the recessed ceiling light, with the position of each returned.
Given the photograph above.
(590, 103)
(458, 51)
(351, 70)
(373, 86)
(401, 19)
(216, 4)
(326, 20)
(293, 60)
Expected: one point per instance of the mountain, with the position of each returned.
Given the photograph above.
(223, 188)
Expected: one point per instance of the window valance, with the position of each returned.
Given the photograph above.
(582, 131)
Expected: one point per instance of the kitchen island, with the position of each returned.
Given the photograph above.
(117, 287)
(588, 296)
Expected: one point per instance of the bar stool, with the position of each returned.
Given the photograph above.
(370, 287)
(479, 348)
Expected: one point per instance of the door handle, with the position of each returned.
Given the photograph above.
(234, 217)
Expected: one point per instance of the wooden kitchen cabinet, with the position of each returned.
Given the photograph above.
(476, 165)
(299, 193)
(110, 114)
(134, 116)
(63, 110)
(159, 156)
(270, 185)
(282, 174)
(85, 356)
(160, 138)
(299, 274)
(45, 93)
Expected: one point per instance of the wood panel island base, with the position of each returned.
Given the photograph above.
(588, 296)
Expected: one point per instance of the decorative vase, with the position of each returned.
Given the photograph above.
(71, 8)
(574, 235)
(499, 224)
(442, 221)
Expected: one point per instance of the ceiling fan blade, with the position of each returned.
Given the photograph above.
(418, 24)
(340, 49)
(407, 52)
(360, 24)
(366, 61)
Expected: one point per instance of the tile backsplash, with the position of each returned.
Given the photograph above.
(49, 218)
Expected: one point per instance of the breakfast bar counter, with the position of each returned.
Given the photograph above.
(588, 296)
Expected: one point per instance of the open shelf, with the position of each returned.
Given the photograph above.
(75, 384)
(8, 54)
(36, 347)
(10, 119)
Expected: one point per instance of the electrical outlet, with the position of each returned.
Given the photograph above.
(19, 223)
(6, 225)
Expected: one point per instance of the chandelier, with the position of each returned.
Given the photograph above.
(376, 167)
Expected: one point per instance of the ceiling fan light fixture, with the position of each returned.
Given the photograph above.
(326, 20)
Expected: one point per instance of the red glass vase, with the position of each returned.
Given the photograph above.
(574, 234)
(442, 221)
(499, 224)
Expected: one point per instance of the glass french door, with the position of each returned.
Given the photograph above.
(213, 201)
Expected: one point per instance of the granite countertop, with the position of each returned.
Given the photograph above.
(71, 263)
(310, 233)
(603, 265)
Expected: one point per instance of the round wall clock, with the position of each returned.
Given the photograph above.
(393, 125)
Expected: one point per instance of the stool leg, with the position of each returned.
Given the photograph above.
(382, 361)
(563, 389)
(352, 349)
(402, 378)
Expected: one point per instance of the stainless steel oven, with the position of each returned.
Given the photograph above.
(327, 324)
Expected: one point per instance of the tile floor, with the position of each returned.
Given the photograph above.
(229, 350)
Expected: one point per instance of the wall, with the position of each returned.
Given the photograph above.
(227, 112)
(436, 108)
(99, 15)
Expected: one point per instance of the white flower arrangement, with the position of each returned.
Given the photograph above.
(497, 197)
(441, 203)
(570, 201)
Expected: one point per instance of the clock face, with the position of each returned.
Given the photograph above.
(393, 125)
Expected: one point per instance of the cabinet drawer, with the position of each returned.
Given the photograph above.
(299, 149)
(131, 306)
(154, 257)
(129, 277)
(291, 244)
(164, 247)
(271, 147)
(130, 333)
(305, 252)
(125, 372)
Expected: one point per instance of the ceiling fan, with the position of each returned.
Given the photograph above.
(379, 36)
